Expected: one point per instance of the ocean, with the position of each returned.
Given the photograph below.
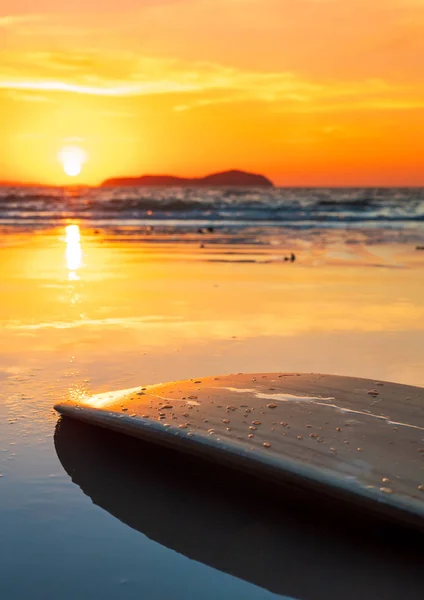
(182, 209)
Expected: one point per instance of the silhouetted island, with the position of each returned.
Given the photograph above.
(225, 179)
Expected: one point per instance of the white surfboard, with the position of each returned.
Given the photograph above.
(354, 441)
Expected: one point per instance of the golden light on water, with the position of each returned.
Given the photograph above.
(72, 159)
(73, 251)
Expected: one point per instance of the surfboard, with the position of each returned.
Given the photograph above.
(358, 443)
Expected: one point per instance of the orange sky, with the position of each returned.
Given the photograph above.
(308, 92)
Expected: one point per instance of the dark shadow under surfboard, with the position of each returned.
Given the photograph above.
(275, 538)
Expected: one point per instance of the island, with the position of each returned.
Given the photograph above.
(231, 178)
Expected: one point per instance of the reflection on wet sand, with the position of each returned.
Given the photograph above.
(74, 262)
(73, 251)
(168, 300)
(227, 523)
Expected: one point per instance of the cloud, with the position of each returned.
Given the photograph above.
(12, 20)
(199, 84)
(120, 89)
(29, 97)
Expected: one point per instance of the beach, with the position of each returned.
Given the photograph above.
(217, 202)
(90, 308)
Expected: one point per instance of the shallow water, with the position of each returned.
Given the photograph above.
(87, 312)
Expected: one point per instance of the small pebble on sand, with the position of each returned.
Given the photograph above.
(225, 420)
(271, 405)
(420, 487)
(385, 480)
(300, 437)
(373, 393)
(267, 445)
(256, 422)
(386, 490)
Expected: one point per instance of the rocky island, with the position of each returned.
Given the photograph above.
(232, 178)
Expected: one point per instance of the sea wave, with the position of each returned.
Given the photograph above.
(292, 207)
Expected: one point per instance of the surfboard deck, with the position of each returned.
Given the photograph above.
(359, 442)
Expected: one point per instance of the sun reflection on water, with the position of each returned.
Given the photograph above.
(73, 251)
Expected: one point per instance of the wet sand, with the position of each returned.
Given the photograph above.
(107, 312)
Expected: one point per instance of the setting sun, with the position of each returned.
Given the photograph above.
(72, 159)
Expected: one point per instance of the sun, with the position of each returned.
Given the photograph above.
(72, 159)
